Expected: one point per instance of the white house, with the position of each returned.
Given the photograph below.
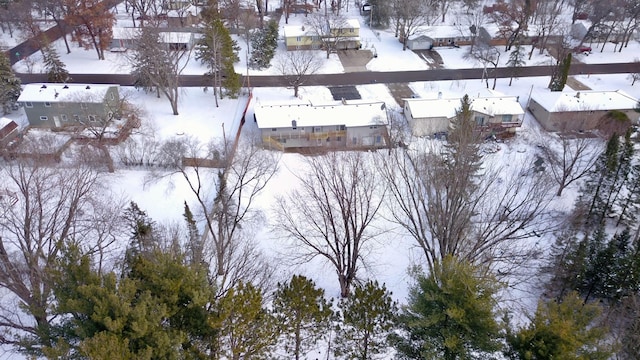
(341, 124)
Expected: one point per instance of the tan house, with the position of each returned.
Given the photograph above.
(428, 117)
(581, 110)
(353, 124)
(302, 37)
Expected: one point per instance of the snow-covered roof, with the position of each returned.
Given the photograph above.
(554, 101)
(350, 113)
(495, 106)
(126, 33)
(295, 30)
(4, 122)
(48, 92)
(433, 108)
(353, 23)
(447, 108)
(174, 37)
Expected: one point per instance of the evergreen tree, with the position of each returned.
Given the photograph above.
(561, 74)
(450, 314)
(195, 245)
(567, 264)
(516, 61)
(368, 317)
(158, 311)
(142, 230)
(264, 42)
(303, 315)
(560, 330)
(218, 52)
(246, 329)
(56, 70)
(149, 65)
(9, 84)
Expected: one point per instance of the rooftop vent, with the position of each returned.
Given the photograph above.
(43, 86)
(65, 86)
(88, 87)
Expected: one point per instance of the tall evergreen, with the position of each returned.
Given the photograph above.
(264, 42)
(56, 69)
(516, 61)
(218, 51)
(9, 84)
(149, 62)
(303, 315)
(368, 317)
(450, 314)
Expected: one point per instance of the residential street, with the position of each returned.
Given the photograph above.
(359, 78)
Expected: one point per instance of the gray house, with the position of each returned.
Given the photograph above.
(350, 124)
(60, 105)
(581, 110)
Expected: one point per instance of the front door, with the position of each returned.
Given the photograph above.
(56, 120)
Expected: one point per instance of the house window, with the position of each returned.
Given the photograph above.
(506, 118)
(479, 120)
(340, 128)
(83, 106)
(299, 39)
(44, 118)
(91, 118)
(338, 138)
(76, 117)
(64, 118)
(28, 104)
(274, 129)
(378, 139)
(352, 30)
(317, 129)
(47, 104)
(373, 127)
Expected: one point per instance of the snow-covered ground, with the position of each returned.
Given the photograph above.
(200, 118)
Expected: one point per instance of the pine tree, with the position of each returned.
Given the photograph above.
(560, 74)
(450, 314)
(9, 84)
(516, 61)
(368, 316)
(56, 70)
(303, 315)
(566, 266)
(218, 51)
(195, 245)
(264, 42)
(142, 237)
(561, 330)
(246, 329)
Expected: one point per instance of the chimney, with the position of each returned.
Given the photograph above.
(344, 102)
(439, 94)
(88, 87)
(578, 94)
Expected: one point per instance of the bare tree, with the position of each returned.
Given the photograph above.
(454, 203)
(486, 55)
(93, 22)
(328, 29)
(512, 18)
(570, 158)
(225, 179)
(330, 215)
(409, 17)
(296, 66)
(547, 17)
(42, 206)
(157, 67)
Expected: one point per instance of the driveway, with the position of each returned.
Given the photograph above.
(355, 60)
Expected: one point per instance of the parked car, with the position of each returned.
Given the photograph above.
(582, 50)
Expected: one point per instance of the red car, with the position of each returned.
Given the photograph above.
(582, 50)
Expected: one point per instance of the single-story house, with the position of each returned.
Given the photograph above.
(579, 110)
(123, 39)
(450, 35)
(8, 130)
(337, 125)
(177, 40)
(59, 105)
(493, 113)
(302, 37)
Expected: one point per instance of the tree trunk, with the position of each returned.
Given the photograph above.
(344, 286)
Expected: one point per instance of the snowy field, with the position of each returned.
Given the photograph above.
(200, 118)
